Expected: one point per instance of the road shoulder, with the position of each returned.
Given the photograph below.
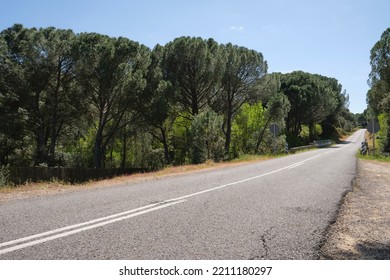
(362, 227)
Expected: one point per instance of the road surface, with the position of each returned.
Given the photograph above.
(276, 209)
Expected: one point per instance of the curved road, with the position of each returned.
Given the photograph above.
(276, 209)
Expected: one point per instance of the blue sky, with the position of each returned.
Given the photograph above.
(331, 38)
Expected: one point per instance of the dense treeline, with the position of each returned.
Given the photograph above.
(378, 97)
(90, 100)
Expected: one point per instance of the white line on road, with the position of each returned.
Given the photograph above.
(74, 226)
(60, 235)
(244, 180)
(296, 165)
(73, 229)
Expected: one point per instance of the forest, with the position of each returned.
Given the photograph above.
(378, 97)
(90, 100)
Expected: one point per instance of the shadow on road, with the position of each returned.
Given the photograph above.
(374, 251)
(364, 250)
(345, 142)
(338, 143)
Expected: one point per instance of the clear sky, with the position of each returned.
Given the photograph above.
(331, 38)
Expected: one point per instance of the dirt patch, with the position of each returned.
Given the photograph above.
(362, 228)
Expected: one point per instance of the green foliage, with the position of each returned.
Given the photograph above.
(40, 77)
(314, 99)
(243, 68)
(378, 96)
(193, 66)
(112, 72)
(318, 130)
(181, 138)
(207, 137)
(347, 122)
(341, 121)
(90, 100)
(361, 119)
(267, 145)
(155, 159)
(248, 123)
(77, 152)
(278, 107)
(4, 175)
(295, 141)
(305, 133)
(377, 157)
(383, 133)
(156, 107)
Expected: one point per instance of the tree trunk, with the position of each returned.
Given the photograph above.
(41, 147)
(124, 150)
(311, 132)
(386, 147)
(194, 103)
(98, 150)
(261, 135)
(165, 144)
(54, 116)
(228, 132)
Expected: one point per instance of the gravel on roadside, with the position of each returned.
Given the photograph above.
(362, 228)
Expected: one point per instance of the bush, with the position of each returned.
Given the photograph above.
(294, 141)
(181, 139)
(155, 160)
(383, 132)
(247, 125)
(207, 137)
(267, 146)
(4, 175)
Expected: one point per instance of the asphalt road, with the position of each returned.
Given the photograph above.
(276, 209)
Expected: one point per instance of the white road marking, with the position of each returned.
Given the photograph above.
(60, 235)
(295, 165)
(244, 180)
(76, 228)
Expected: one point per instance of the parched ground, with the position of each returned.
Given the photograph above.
(362, 228)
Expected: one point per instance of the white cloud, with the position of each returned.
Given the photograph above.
(237, 28)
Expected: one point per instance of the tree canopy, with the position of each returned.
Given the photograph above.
(193, 66)
(312, 98)
(91, 100)
(242, 71)
(378, 97)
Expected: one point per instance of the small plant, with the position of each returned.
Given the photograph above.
(4, 175)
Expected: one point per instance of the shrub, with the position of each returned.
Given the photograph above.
(155, 159)
(207, 137)
(4, 175)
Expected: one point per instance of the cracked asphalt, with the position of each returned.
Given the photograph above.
(276, 209)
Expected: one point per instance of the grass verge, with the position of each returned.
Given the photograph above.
(377, 156)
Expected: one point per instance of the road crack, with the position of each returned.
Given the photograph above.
(264, 239)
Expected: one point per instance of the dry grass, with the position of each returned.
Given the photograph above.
(55, 187)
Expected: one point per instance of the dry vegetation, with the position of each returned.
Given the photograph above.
(55, 187)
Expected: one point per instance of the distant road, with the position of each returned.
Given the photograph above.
(276, 209)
